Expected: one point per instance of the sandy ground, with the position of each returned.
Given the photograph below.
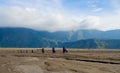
(75, 61)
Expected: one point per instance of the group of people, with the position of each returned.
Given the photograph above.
(64, 50)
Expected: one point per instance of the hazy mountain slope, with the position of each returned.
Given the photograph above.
(94, 43)
(23, 37)
(91, 34)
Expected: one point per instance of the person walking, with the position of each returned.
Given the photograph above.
(53, 50)
(32, 51)
(64, 50)
(43, 51)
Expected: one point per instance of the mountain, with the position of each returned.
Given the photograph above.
(94, 43)
(24, 37)
(91, 34)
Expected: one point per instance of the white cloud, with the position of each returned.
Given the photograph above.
(90, 22)
(33, 18)
(47, 16)
(110, 22)
(50, 15)
(97, 9)
(116, 6)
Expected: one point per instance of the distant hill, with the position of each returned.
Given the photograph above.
(24, 37)
(95, 34)
(94, 43)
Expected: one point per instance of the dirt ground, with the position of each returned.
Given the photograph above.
(75, 61)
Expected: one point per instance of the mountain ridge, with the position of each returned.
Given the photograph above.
(25, 37)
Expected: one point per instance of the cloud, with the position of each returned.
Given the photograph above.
(97, 10)
(33, 18)
(50, 15)
(116, 6)
(110, 21)
(43, 17)
(23, 13)
(90, 22)
(17, 15)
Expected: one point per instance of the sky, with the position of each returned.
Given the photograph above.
(60, 15)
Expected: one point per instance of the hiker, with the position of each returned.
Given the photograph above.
(43, 51)
(32, 51)
(64, 50)
(53, 50)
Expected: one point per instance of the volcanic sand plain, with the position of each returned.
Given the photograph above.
(30, 60)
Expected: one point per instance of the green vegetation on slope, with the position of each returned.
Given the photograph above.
(94, 43)
(22, 37)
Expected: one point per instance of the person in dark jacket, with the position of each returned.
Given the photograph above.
(64, 50)
(43, 51)
(53, 50)
(32, 51)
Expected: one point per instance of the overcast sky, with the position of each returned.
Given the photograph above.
(60, 15)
